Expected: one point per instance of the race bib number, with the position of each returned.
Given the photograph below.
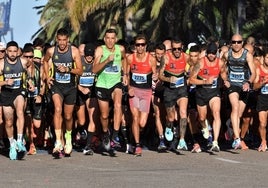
(264, 89)
(179, 82)
(16, 84)
(63, 77)
(213, 85)
(86, 81)
(139, 78)
(110, 68)
(237, 76)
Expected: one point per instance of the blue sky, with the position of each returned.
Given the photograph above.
(24, 20)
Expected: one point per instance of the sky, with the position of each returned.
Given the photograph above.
(24, 20)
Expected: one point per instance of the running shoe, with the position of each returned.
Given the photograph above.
(129, 148)
(169, 134)
(21, 150)
(106, 142)
(196, 148)
(182, 145)
(87, 150)
(162, 145)
(115, 143)
(236, 144)
(138, 151)
(57, 151)
(205, 130)
(243, 145)
(215, 147)
(210, 140)
(68, 144)
(83, 134)
(68, 147)
(13, 152)
(173, 144)
(262, 148)
(32, 150)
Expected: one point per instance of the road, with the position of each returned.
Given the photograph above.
(228, 168)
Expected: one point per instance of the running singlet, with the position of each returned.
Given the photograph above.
(238, 69)
(176, 67)
(264, 89)
(65, 59)
(37, 81)
(14, 71)
(141, 73)
(111, 74)
(87, 79)
(208, 72)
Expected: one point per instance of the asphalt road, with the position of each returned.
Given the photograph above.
(228, 168)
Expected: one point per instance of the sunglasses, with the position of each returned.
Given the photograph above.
(140, 44)
(30, 57)
(237, 42)
(2, 51)
(179, 49)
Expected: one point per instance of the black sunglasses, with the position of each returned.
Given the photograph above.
(237, 41)
(140, 44)
(3, 51)
(179, 49)
(30, 56)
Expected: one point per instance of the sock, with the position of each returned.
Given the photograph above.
(11, 141)
(19, 137)
(68, 134)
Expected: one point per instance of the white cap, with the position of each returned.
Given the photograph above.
(2, 46)
(190, 45)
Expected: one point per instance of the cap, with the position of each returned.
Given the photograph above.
(2, 46)
(212, 48)
(89, 49)
(37, 54)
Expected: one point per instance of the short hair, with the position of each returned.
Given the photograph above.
(12, 43)
(38, 42)
(63, 31)
(111, 30)
(140, 37)
(160, 46)
(195, 48)
(176, 40)
(27, 48)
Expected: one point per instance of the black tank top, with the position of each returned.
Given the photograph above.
(65, 59)
(238, 69)
(14, 71)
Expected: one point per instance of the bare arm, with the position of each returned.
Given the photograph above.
(97, 64)
(162, 69)
(193, 75)
(77, 69)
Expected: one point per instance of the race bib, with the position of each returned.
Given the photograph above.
(139, 78)
(237, 76)
(264, 89)
(16, 84)
(110, 68)
(213, 85)
(63, 77)
(179, 82)
(86, 81)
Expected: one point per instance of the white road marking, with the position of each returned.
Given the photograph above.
(228, 160)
